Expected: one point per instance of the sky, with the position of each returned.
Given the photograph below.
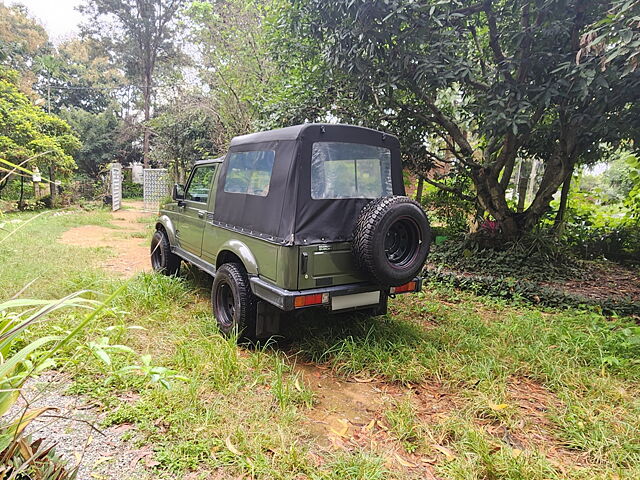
(59, 17)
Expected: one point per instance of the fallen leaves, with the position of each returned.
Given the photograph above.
(342, 428)
(231, 447)
(403, 462)
(449, 455)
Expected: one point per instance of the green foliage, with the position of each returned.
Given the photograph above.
(633, 200)
(22, 40)
(19, 362)
(476, 85)
(405, 424)
(131, 190)
(510, 288)
(77, 75)
(449, 214)
(594, 229)
(616, 37)
(537, 256)
(619, 174)
(27, 133)
(188, 130)
(98, 132)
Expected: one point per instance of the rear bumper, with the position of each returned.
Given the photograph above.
(284, 299)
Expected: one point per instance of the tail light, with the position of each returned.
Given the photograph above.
(406, 288)
(309, 300)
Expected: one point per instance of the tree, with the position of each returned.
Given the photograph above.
(99, 138)
(22, 41)
(235, 62)
(616, 36)
(492, 80)
(187, 130)
(139, 34)
(28, 134)
(77, 74)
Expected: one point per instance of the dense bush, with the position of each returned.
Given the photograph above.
(516, 289)
(594, 230)
(449, 215)
(131, 190)
(538, 256)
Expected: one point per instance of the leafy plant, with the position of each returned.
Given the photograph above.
(17, 363)
(537, 256)
(531, 292)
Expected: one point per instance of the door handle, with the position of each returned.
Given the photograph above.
(200, 213)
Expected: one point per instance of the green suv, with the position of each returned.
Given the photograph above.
(313, 215)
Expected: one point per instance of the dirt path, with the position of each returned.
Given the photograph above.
(128, 240)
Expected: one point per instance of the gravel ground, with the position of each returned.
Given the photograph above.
(74, 428)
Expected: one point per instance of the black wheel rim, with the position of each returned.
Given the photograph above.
(157, 258)
(402, 242)
(225, 304)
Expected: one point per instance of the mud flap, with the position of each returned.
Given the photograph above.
(267, 320)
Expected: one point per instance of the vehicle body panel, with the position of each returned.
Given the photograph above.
(278, 234)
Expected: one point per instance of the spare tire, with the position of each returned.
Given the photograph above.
(391, 240)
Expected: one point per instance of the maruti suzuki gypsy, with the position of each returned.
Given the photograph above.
(313, 215)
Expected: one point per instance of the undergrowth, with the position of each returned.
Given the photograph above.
(538, 256)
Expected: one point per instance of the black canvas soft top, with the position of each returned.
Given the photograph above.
(288, 214)
(295, 132)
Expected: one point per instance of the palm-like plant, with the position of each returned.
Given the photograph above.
(19, 456)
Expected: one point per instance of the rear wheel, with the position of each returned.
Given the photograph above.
(163, 260)
(391, 240)
(233, 302)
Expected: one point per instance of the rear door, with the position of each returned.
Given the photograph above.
(193, 209)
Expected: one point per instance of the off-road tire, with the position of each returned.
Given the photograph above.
(163, 260)
(384, 224)
(233, 302)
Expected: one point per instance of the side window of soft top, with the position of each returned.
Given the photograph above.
(249, 172)
(200, 184)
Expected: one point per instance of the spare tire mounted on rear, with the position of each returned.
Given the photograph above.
(391, 240)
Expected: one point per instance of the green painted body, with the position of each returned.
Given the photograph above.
(326, 265)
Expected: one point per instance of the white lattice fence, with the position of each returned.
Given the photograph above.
(156, 186)
(116, 186)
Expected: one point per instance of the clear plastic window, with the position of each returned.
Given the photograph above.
(249, 172)
(350, 170)
(198, 188)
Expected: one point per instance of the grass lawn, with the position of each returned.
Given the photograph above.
(469, 388)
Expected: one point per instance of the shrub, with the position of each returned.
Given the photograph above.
(131, 190)
(537, 256)
(510, 288)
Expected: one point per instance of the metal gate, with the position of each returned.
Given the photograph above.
(116, 186)
(155, 187)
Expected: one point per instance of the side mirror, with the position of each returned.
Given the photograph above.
(177, 192)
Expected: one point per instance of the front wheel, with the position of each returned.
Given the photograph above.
(233, 302)
(163, 260)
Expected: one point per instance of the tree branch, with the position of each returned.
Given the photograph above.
(451, 128)
(468, 10)
(449, 189)
(494, 43)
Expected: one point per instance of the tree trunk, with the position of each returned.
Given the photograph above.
(522, 187)
(3, 184)
(52, 184)
(558, 224)
(516, 182)
(532, 178)
(419, 190)
(21, 200)
(147, 116)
